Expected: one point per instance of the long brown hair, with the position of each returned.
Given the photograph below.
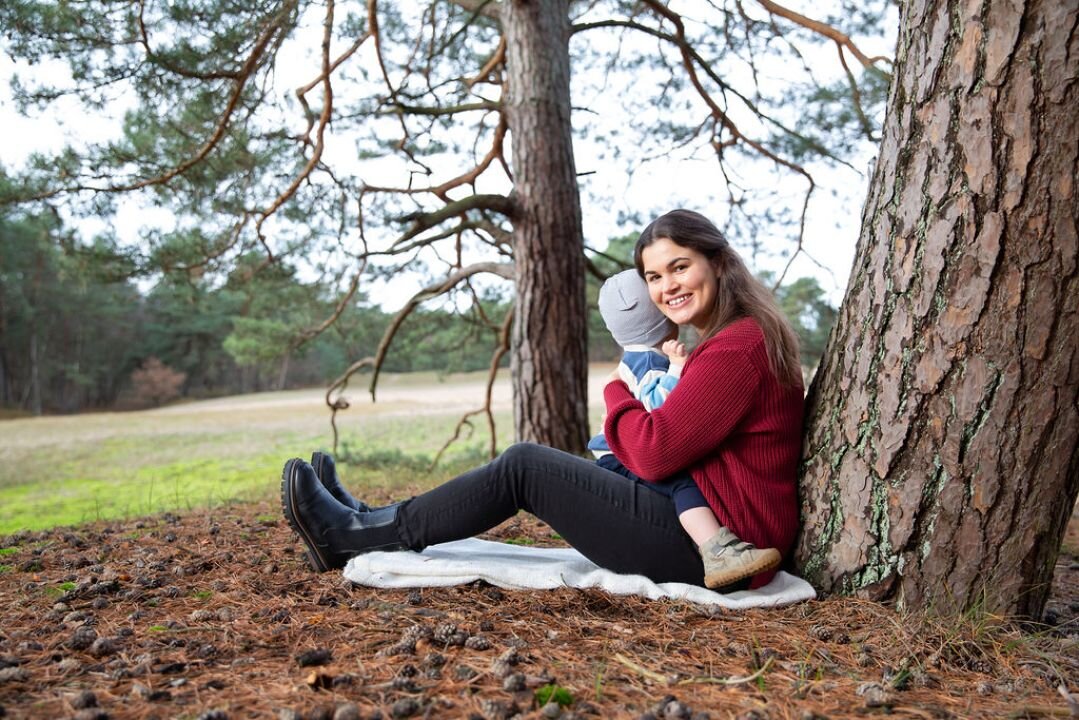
(738, 294)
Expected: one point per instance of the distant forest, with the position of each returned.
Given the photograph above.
(78, 333)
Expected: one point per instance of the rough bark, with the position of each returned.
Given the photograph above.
(549, 363)
(941, 459)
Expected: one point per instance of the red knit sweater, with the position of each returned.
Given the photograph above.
(732, 426)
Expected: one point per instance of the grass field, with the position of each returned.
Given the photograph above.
(72, 469)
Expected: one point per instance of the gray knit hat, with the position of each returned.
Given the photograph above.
(630, 314)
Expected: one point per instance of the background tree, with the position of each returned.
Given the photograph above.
(53, 354)
(74, 324)
(941, 451)
(426, 95)
(804, 303)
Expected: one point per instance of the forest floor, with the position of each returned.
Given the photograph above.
(213, 614)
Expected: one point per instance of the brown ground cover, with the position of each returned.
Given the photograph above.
(215, 615)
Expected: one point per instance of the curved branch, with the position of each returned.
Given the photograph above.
(824, 30)
(496, 242)
(488, 67)
(334, 393)
(801, 234)
(402, 144)
(425, 221)
(339, 385)
(501, 236)
(504, 270)
(208, 257)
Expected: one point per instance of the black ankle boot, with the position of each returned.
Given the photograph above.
(327, 473)
(332, 532)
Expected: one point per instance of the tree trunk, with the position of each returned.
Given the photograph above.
(941, 458)
(282, 372)
(549, 361)
(35, 373)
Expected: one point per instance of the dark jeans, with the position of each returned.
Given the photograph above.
(619, 525)
(680, 488)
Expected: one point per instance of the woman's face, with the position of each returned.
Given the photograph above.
(681, 282)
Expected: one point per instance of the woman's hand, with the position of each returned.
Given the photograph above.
(613, 377)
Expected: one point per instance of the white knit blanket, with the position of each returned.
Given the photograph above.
(519, 567)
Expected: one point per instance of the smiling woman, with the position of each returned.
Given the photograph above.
(733, 424)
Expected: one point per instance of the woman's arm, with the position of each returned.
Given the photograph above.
(718, 388)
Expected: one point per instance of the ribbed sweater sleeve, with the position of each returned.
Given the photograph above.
(719, 385)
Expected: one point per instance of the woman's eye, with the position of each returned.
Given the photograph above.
(680, 268)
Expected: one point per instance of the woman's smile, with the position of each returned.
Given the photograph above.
(681, 282)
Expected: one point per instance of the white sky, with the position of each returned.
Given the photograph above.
(832, 221)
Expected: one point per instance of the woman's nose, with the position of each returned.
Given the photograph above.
(669, 285)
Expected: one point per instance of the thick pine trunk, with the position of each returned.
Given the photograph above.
(941, 451)
(549, 361)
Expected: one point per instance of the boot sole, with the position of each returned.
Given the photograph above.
(288, 502)
(714, 581)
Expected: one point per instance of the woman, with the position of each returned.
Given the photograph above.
(733, 422)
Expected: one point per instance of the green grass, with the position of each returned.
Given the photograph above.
(73, 495)
(69, 470)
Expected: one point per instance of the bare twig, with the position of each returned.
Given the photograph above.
(334, 398)
(730, 680)
(492, 375)
(301, 92)
(856, 97)
(641, 670)
(337, 401)
(653, 675)
(309, 333)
